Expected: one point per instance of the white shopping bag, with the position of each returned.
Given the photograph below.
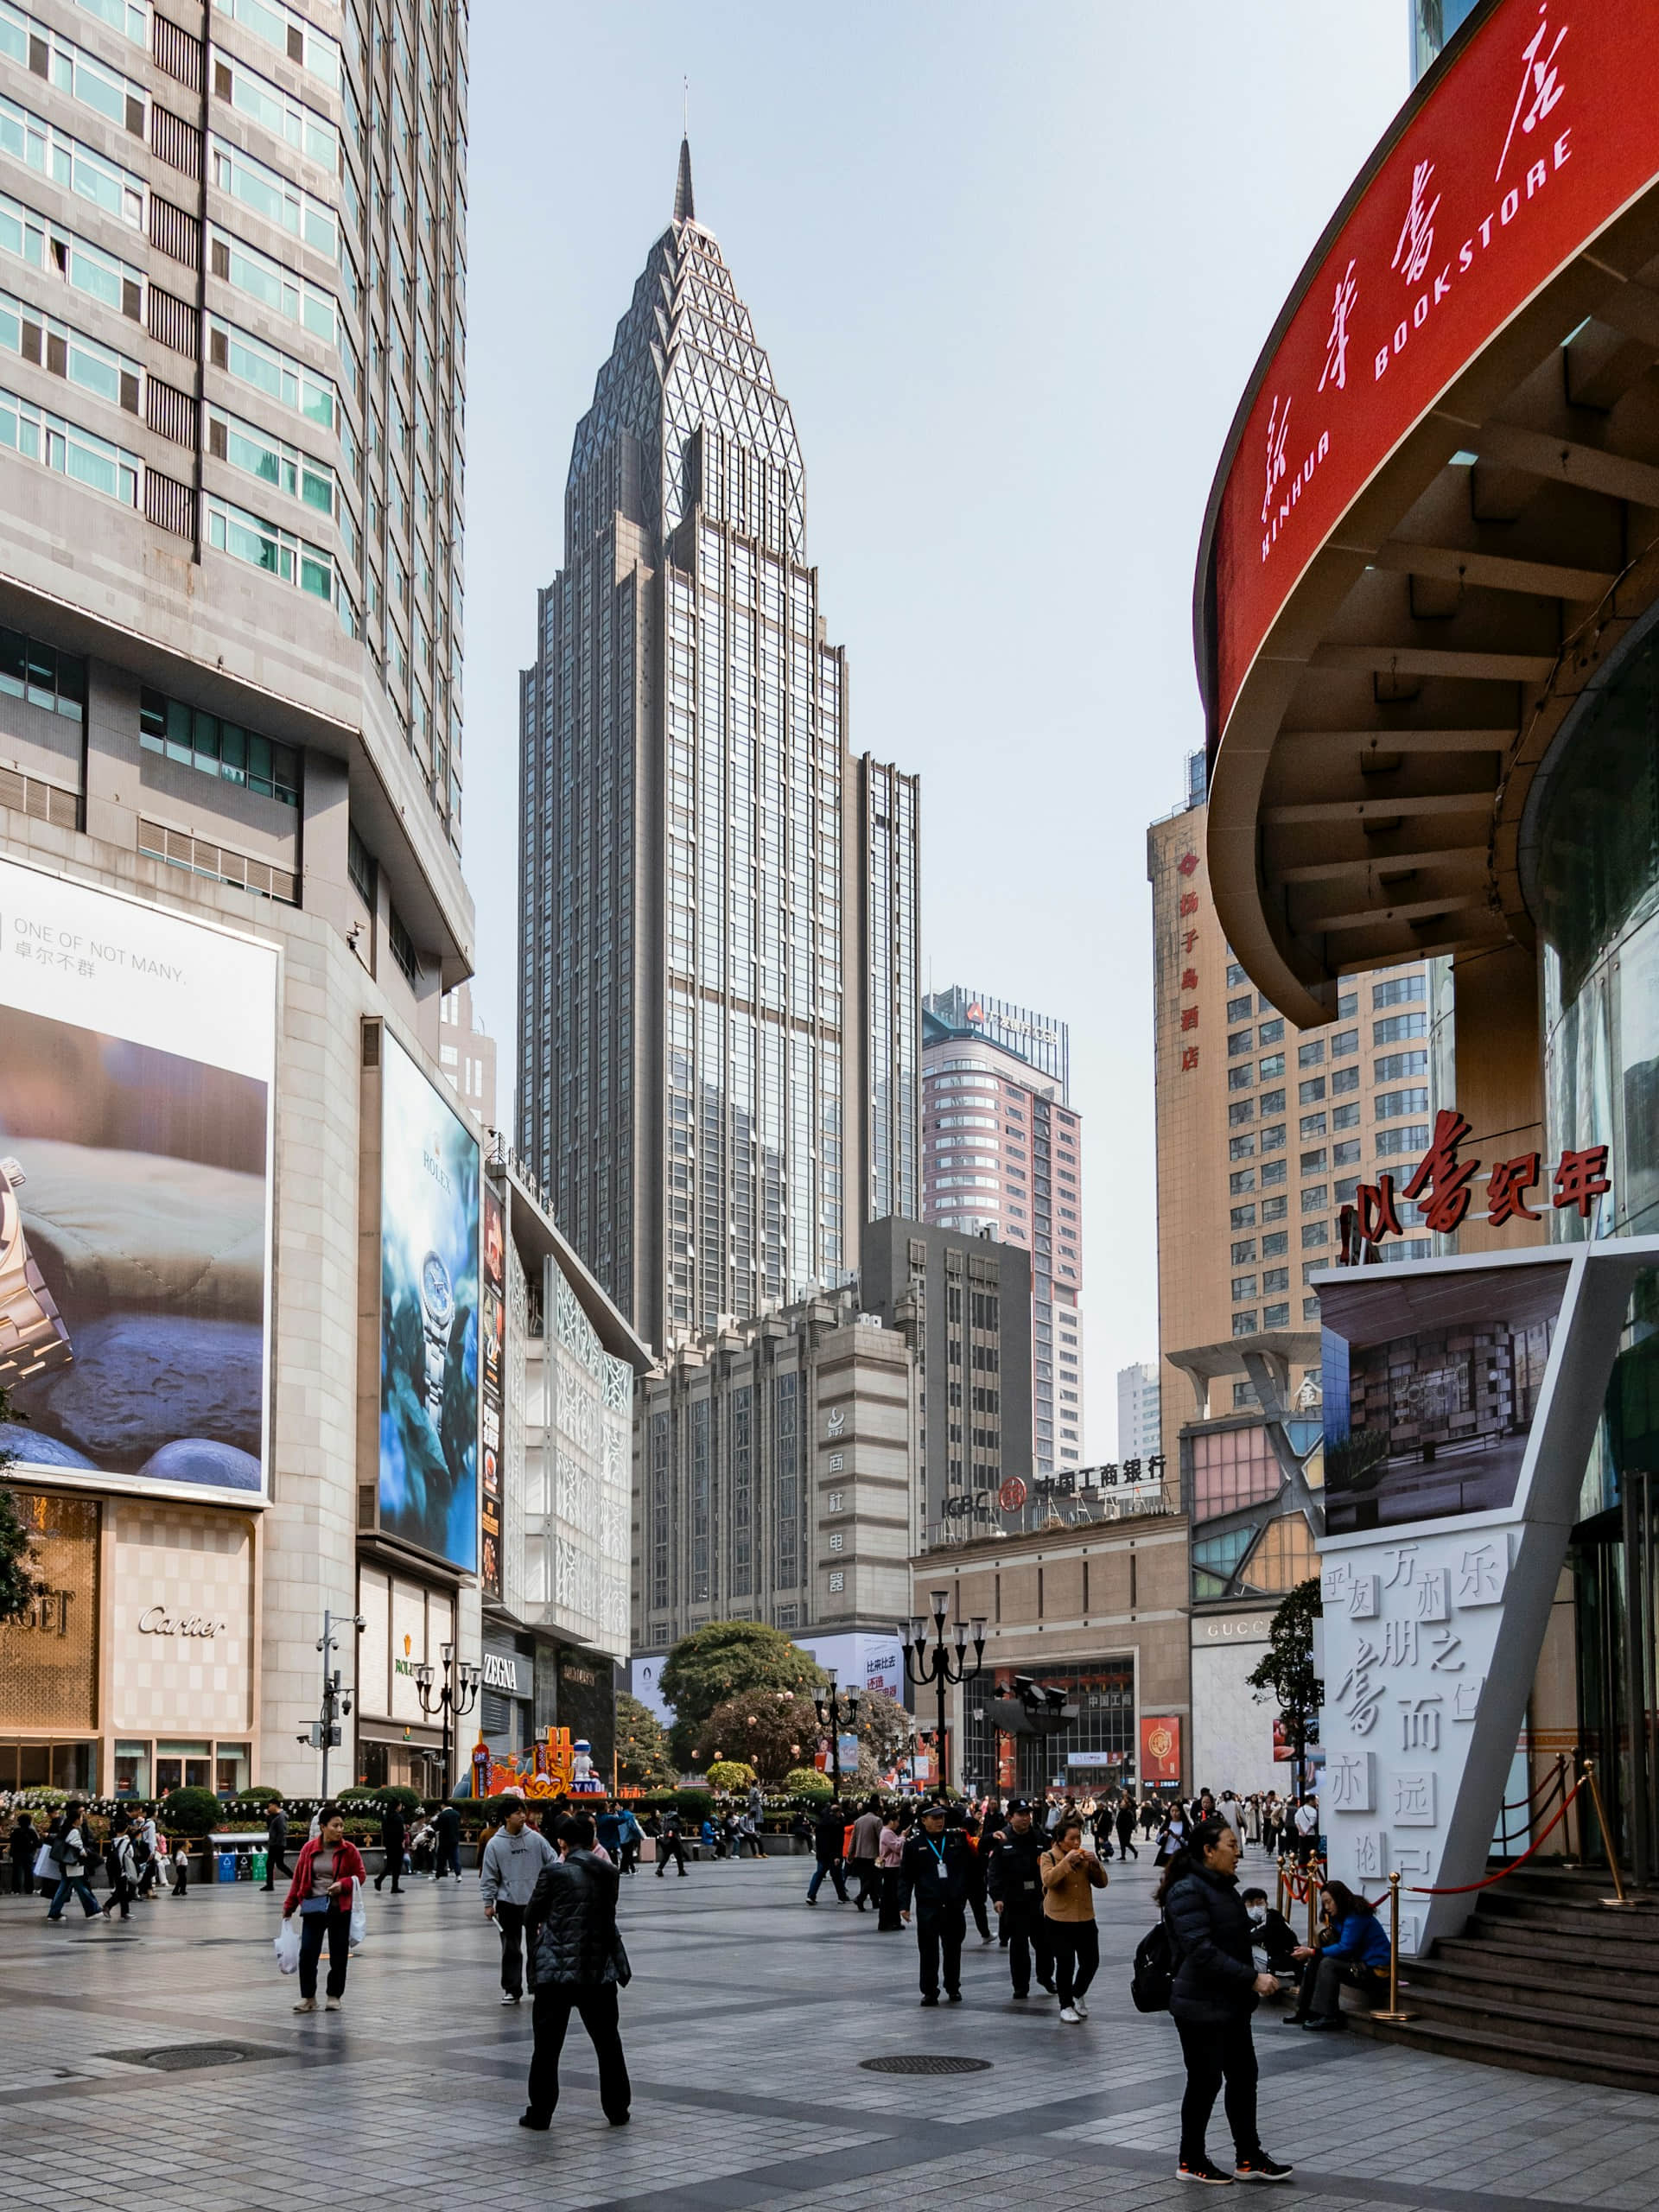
(360, 1916)
(288, 1947)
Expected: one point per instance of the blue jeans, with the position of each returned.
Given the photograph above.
(832, 1868)
(82, 1889)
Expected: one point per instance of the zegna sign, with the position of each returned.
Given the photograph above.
(157, 1621)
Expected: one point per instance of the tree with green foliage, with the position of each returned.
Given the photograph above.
(19, 1585)
(1286, 1671)
(719, 1661)
(773, 1730)
(642, 1755)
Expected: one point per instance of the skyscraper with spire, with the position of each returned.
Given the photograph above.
(720, 1003)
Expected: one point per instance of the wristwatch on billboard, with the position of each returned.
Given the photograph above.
(437, 1319)
(32, 1331)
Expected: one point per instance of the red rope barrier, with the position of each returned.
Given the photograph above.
(1462, 1889)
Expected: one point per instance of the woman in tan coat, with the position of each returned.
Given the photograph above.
(1071, 1875)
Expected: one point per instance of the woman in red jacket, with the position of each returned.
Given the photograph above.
(320, 1893)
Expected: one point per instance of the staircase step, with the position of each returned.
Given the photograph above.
(1641, 1919)
(1609, 1950)
(1555, 2026)
(1628, 2003)
(1520, 2052)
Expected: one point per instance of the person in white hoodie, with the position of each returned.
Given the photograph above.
(507, 1874)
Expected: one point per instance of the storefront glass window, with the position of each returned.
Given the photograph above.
(74, 1766)
(183, 1766)
(42, 1766)
(132, 1770)
(231, 1768)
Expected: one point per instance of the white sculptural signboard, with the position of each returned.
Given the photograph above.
(1461, 1398)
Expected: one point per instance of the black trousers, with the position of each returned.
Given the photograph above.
(1076, 1955)
(449, 1860)
(887, 1890)
(977, 1906)
(1125, 1844)
(552, 2017)
(1214, 2055)
(122, 1893)
(276, 1864)
(669, 1847)
(509, 1919)
(1028, 1931)
(394, 1866)
(938, 1940)
(334, 1927)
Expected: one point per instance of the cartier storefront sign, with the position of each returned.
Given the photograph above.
(48, 1658)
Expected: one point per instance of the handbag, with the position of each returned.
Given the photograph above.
(310, 1906)
(45, 1866)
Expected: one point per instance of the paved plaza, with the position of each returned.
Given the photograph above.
(745, 2026)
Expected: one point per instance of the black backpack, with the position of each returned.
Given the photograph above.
(1155, 1971)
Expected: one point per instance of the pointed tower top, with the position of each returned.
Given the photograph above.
(685, 206)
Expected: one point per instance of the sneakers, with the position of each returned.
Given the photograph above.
(1050, 1987)
(1079, 2008)
(540, 2122)
(953, 1997)
(1070, 2014)
(507, 1998)
(306, 2005)
(1204, 2169)
(930, 2000)
(1259, 2167)
(331, 2003)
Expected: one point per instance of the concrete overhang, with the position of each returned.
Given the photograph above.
(1424, 542)
(539, 1238)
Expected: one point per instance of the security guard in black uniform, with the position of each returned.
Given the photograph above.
(934, 1875)
(1015, 1883)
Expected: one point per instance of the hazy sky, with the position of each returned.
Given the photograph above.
(1012, 265)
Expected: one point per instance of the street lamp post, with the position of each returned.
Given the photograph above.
(832, 1711)
(940, 1666)
(458, 1697)
(325, 1731)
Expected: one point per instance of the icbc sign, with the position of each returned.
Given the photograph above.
(1538, 134)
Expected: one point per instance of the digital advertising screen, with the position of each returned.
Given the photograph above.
(1432, 1379)
(428, 1315)
(494, 1335)
(137, 1056)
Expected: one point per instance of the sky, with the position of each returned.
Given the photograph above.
(1012, 265)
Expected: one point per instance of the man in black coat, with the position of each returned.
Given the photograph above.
(669, 1844)
(934, 1874)
(276, 1843)
(391, 1844)
(448, 1827)
(1015, 1880)
(828, 1842)
(576, 1964)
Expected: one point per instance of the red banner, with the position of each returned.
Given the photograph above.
(1537, 135)
(1160, 1749)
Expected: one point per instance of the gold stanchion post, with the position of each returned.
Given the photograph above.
(1619, 1897)
(1394, 2012)
(1312, 1901)
(1278, 1891)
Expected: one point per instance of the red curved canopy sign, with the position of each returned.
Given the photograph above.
(1538, 134)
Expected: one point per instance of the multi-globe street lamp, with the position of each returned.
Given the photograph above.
(458, 1697)
(832, 1711)
(940, 1666)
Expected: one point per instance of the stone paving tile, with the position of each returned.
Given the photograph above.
(744, 2027)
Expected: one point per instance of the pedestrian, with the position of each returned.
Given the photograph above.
(1172, 1838)
(864, 1854)
(180, 1870)
(977, 1876)
(1148, 1817)
(890, 1850)
(422, 1846)
(1232, 1812)
(1353, 1948)
(1072, 1874)
(1215, 1990)
(1270, 1823)
(1014, 1878)
(123, 1873)
(321, 1893)
(22, 1849)
(147, 1854)
(1307, 1821)
(512, 1863)
(1100, 1819)
(1273, 1934)
(73, 1855)
(607, 1824)
(391, 1844)
(756, 1823)
(632, 1838)
(669, 1845)
(447, 1825)
(1125, 1824)
(276, 1843)
(749, 1833)
(933, 1875)
(576, 1964)
(829, 1840)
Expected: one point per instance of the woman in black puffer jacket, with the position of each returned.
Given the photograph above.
(1215, 1989)
(576, 1964)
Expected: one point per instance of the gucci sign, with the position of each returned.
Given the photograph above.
(157, 1621)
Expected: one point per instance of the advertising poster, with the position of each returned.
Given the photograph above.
(137, 1055)
(1160, 1749)
(1431, 1382)
(495, 1312)
(428, 1316)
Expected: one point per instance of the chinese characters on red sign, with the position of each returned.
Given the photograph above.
(1189, 906)
(1440, 1183)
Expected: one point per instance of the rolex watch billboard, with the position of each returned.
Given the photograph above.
(137, 1053)
(428, 1316)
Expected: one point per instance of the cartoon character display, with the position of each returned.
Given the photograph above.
(584, 1782)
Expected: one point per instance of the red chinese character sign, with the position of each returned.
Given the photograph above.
(1185, 867)
(1533, 140)
(1443, 1184)
(1160, 1749)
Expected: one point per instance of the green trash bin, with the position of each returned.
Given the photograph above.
(257, 1867)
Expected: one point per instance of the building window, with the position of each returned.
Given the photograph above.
(360, 866)
(1391, 1104)
(1311, 1055)
(1243, 1287)
(1245, 1252)
(219, 748)
(1272, 1066)
(1398, 989)
(1394, 1066)
(1243, 1324)
(1244, 1180)
(1345, 1044)
(1243, 1216)
(403, 946)
(1276, 1317)
(1271, 1032)
(1311, 1092)
(1398, 1028)
(1237, 1042)
(42, 675)
(1343, 1080)
(1276, 1241)
(1315, 1236)
(1414, 1137)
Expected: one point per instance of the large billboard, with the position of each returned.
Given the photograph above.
(495, 1345)
(1431, 1383)
(428, 1315)
(137, 1056)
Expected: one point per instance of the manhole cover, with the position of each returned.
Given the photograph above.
(190, 2057)
(924, 2062)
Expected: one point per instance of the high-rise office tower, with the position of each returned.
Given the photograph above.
(1002, 1157)
(720, 1003)
(1139, 1424)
